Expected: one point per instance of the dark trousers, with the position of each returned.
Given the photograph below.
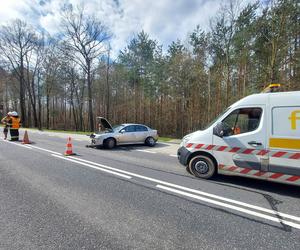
(5, 130)
(14, 134)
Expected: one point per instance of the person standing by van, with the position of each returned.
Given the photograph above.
(14, 124)
(5, 121)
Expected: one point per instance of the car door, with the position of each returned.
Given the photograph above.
(127, 135)
(141, 133)
(244, 142)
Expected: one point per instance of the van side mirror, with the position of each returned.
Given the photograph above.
(218, 130)
(122, 131)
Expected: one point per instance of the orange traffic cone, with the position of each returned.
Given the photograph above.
(26, 138)
(69, 150)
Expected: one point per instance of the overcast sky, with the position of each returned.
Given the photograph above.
(164, 20)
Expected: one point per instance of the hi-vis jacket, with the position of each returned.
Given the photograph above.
(15, 122)
(261, 139)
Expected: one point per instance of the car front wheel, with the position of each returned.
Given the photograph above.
(109, 143)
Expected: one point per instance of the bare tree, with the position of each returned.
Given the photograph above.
(84, 40)
(16, 41)
(51, 65)
(34, 62)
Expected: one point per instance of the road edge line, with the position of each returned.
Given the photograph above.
(240, 203)
(239, 209)
(93, 166)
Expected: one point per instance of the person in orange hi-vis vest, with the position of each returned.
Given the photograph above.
(14, 124)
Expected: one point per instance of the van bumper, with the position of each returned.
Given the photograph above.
(183, 155)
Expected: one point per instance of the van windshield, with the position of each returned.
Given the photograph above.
(217, 117)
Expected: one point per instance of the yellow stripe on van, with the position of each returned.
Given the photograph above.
(284, 143)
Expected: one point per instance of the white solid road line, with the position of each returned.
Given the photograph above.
(16, 143)
(47, 150)
(30, 146)
(146, 151)
(25, 146)
(173, 155)
(222, 204)
(194, 191)
(92, 166)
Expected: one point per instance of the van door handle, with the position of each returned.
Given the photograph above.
(254, 143)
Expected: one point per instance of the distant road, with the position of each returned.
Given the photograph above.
(133, 197)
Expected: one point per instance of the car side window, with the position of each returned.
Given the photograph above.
(129, 128)
(140, 128)
(242, 121)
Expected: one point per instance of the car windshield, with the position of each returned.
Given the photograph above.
(117, 128)
(218, 116)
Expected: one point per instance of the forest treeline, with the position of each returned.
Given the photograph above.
(64, 82)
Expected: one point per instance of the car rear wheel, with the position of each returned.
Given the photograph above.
(150, 141)
(202, 166)
(109, 143)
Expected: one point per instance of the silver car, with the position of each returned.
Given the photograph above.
(127, 133)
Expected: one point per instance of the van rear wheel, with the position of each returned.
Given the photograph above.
(202, 166)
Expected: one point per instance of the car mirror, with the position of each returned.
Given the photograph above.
(122, 131)
(218, 130)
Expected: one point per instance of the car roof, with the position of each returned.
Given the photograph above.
(127, 124)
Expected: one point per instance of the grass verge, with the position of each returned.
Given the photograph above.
(165, 139)
(63, 131)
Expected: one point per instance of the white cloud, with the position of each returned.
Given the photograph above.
(165, 20)
(11, 10)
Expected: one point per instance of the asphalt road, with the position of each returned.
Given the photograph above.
(134, 197)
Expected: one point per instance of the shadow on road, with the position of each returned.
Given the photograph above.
(256, 186)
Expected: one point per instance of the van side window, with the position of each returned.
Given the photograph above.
(242, 121)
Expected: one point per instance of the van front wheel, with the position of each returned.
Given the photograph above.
(202, 166)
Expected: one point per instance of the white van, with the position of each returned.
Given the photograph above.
(257, 137)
